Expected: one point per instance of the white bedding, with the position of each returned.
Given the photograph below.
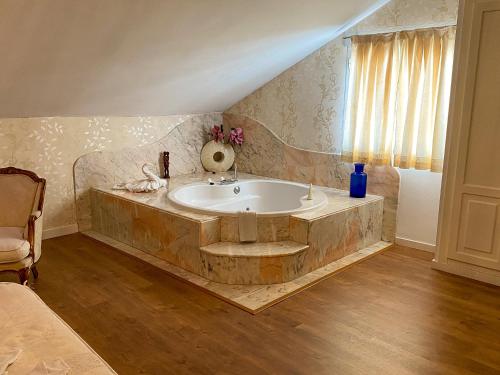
(29, 325)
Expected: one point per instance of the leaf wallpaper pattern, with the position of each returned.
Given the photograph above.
(49, 146)
(304, 105)
(96, 138)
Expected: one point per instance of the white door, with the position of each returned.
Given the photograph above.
(473, 187)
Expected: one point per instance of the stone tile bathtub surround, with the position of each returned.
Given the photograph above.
(264, 154)
(289, 246)
(333, 237)
(269, 229)
(167, 236)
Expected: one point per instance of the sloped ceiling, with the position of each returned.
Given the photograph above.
(154, 57)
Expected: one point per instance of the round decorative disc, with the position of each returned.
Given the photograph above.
(217, 156)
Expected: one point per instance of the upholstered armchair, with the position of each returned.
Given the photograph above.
(21, 214)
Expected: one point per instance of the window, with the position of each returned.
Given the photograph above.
(398, 98)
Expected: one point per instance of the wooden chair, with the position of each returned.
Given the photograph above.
(21, 216)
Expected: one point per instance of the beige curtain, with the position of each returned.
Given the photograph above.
(398, 98)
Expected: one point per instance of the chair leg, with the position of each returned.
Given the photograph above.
(35, 271)
(24, 275)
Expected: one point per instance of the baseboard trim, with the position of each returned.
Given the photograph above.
(469, 271)
(59, 231)
(416, 244)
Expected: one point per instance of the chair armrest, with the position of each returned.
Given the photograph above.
(34, 231)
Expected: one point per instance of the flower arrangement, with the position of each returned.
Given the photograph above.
(217, 133)
(235, 137)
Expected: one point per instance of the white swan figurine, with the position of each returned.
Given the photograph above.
(150, 184)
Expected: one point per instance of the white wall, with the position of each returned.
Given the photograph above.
(154, 57)
(418, 208)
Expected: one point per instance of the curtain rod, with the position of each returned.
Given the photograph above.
(403, 30)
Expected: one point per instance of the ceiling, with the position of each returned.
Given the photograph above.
(155, 57)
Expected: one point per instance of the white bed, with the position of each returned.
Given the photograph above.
(29, 325)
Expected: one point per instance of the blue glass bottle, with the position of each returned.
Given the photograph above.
(358, 181)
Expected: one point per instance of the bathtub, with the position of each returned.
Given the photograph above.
(265, 197)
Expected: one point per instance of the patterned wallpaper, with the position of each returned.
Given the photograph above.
(304, 105)
(50, 146)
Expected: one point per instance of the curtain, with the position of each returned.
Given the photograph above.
(398, 98)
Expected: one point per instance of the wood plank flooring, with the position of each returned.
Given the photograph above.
(390, 314)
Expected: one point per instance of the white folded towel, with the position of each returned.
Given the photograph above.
(151, 183)
(247, 223)
(8, 357)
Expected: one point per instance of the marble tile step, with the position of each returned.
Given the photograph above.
(257, 249)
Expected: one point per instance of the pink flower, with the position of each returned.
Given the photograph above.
(236, 136)
(217, 134)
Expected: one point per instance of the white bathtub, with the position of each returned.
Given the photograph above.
(266, 197)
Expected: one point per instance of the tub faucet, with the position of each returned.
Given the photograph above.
(310, 193)
(229, 181)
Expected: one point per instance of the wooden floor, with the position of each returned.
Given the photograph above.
(390, 314)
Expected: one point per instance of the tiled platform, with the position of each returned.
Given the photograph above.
(288, 246)
(251, 298)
